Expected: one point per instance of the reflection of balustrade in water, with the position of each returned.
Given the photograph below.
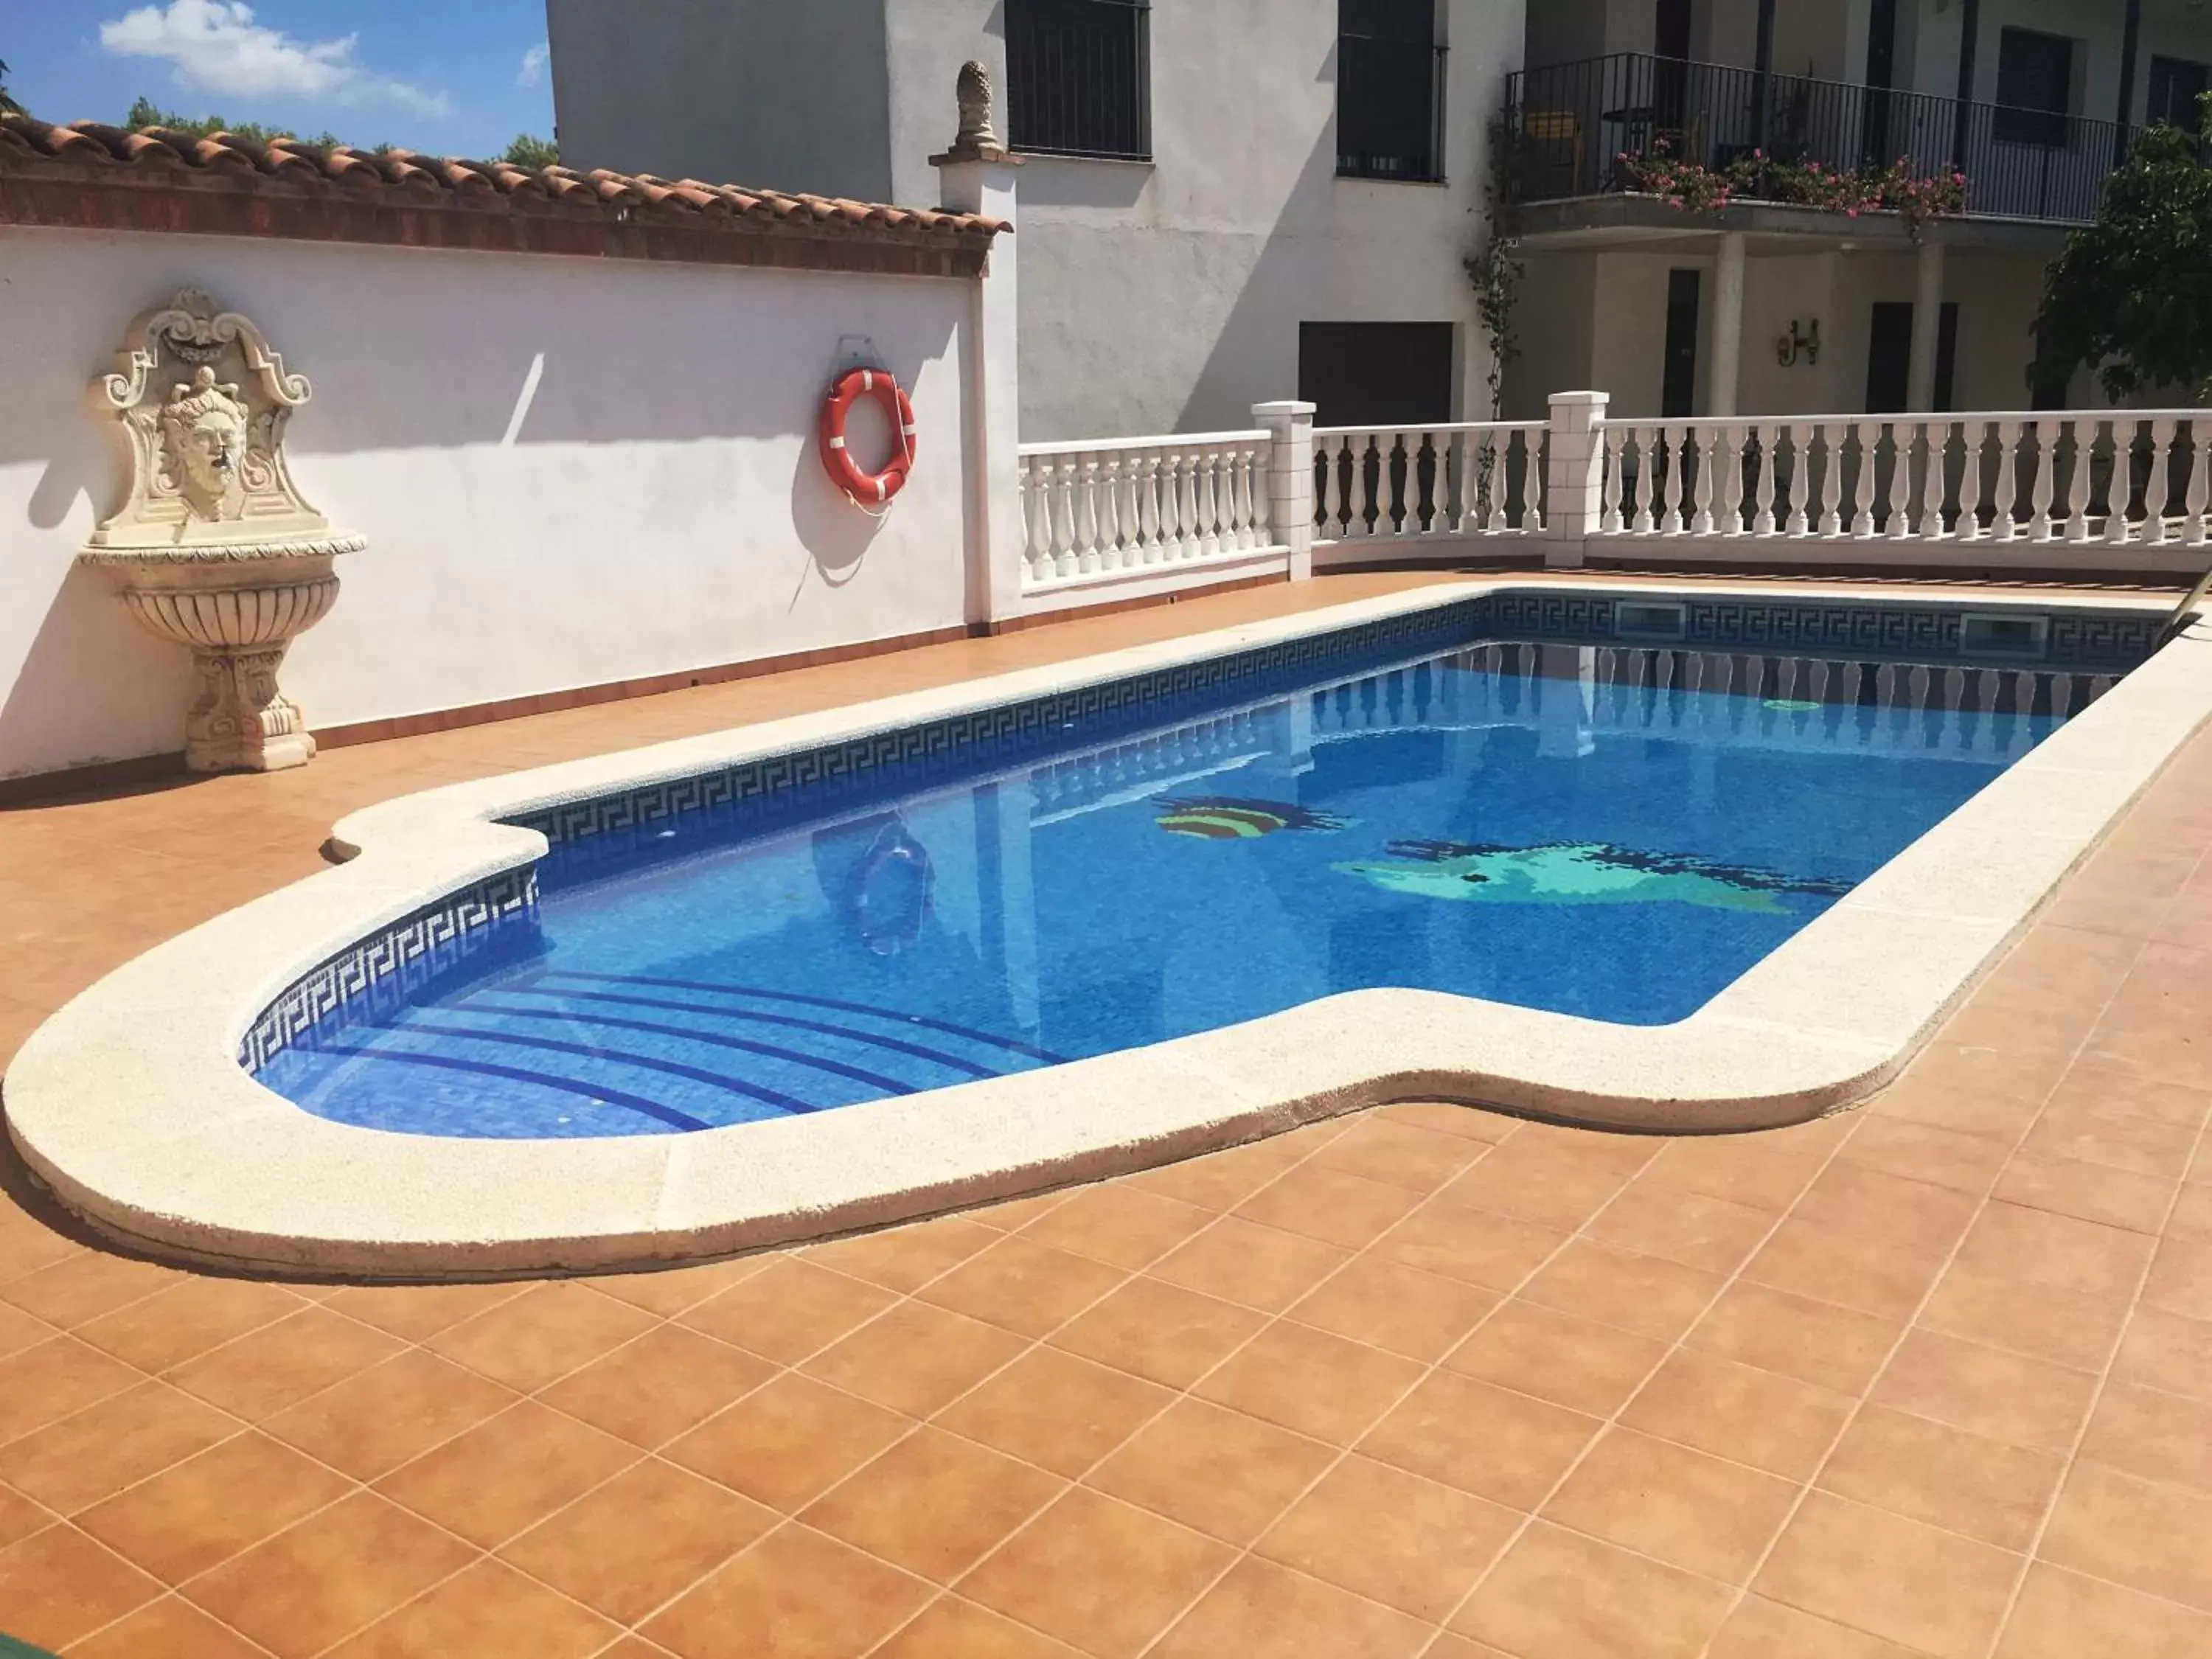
(1127, 504)
(1415, 483)
(2126, 479)
(1144, 766)
(1878, 707)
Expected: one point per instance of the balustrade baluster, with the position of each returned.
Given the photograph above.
(1866, 480)
(1705, 447)
(2120, 481)
(1149, 533)
(1115, 550)
(1935, 473)
(1732, 445)
(1331, 489)
(2157, 486)
(1063, 515)
(1644, 496)
(1833, 435)
(1496, 456)
(1211, 503)
(2196, 519)
(1035, 524)
(1086, 545)
(1900, 480)
(2044, 490)
(2081, 478)
(1768, 438)
(1799, 521)
(2004, 510)
(1610, 516)
(1262, 509)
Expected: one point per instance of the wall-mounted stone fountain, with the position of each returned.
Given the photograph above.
(214, 546)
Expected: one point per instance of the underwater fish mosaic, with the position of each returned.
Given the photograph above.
(1581, 872)
(1221, 818)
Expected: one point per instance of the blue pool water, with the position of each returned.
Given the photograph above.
(1610, 832)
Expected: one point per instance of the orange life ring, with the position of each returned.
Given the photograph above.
(861, 488)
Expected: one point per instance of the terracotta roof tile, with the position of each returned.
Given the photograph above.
(89, 175)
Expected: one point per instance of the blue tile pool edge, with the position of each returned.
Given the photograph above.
(384, 970)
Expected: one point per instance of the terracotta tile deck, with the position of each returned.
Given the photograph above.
(1933, 1377)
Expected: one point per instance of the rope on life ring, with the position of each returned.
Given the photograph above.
(862, 489)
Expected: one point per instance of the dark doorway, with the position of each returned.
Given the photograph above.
(1889, 357)
(1670, 76)
(2035, 88)
(1880, 76)
(1376, 375)
(1678, 388)
(1389, 81)
(2175, 84)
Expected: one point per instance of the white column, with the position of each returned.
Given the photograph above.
(1727, 351)
(1573, 475)
(995, 535)
(1927, 325)
(1290, 479)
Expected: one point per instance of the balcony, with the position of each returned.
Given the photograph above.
(1573, 123)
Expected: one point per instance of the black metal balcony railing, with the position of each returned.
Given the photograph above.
(1079, 77)
(1390, 110)
(1572, 122)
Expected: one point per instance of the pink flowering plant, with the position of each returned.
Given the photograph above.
(1897, 188)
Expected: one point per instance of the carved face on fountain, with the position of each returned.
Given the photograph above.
(205, 425)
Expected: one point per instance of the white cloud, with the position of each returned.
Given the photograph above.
(533, 66)
(216, 46)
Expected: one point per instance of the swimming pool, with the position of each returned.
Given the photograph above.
(1608, 829)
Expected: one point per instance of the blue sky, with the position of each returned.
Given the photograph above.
(454, 77)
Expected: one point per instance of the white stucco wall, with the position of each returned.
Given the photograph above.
(1157, 297)
(1167, 296)
(571, 471)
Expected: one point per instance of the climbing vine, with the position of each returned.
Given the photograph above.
(1494, 267)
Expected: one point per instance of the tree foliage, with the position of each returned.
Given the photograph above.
(533, 152)
(8, 104)
(2131, 295)
(147, 113)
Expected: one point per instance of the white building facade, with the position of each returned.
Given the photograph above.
(1679, 313)
(1222, 202)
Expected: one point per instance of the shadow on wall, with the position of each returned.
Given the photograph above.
(568, 356)
(90, 667)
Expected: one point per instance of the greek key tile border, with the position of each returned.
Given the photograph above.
(757, 796)
(385, 969)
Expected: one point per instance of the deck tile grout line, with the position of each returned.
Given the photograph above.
(1911, 1323)
(1612, 1420)
(2034, 1551)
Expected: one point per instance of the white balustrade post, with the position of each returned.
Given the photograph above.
(1574, 483)
(1288, 459)
(976, 175)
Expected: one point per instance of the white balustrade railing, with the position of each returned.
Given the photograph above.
(1469, 478)
(1128, 504)
(2049, 489)
(2128, 479)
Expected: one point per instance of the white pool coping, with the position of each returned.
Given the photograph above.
(131, 1103)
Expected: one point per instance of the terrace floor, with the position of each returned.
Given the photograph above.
(1930, 1377)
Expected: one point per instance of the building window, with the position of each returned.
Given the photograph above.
(2175, 84)
(1079, 77)
(2035, 88)
(1389, 90)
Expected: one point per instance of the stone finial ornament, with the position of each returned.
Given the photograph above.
(977, 139)
(973, 91)
(214, 545)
